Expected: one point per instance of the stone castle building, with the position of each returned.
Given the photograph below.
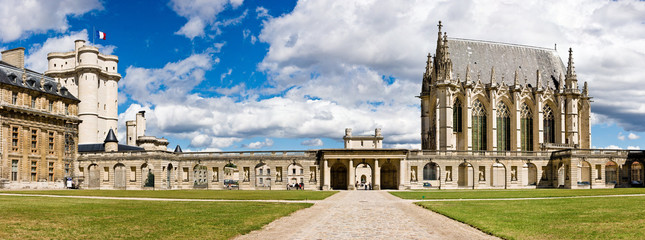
(493, 116)
(38, 126)
(93, 78)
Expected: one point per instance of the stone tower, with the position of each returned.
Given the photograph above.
(92, 77)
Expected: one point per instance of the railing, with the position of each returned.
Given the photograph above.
(250, 153)
(477, 153)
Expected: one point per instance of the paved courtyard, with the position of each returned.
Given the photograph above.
(366, 215)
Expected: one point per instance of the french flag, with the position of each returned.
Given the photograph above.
(100, 34)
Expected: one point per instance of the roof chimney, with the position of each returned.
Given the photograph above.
(15, 57)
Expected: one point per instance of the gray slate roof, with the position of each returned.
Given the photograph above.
(506, 58)
(7, 72)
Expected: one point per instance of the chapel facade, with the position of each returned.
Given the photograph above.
(487, 96)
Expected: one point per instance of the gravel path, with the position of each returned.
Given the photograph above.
(365, 215)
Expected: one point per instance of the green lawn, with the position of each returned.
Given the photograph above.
(581, 218)
(192, 194)
(66, 218)
(528, 193)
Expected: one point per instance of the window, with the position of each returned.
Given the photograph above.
(503, 128)
(479, 126)
(293, 171)
(67, 169)
(14, 98)
(261, 172)
(51, 171)
(34, 141)
(456, 117)
(598, 171)
(14, 170)
(14, 139)
(66, 109)
(33, 102)
(51, 106)
(549, 125)
(268, 171)
(34, 170)
(526, 128)
(185, 174)
(51, 143)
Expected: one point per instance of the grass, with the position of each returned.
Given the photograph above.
(528, 193)
(191, 194)
(581, 218)
(64, 218)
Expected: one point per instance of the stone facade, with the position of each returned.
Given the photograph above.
(93, 78)
(485, 96)
(38, 127)
(504, 132)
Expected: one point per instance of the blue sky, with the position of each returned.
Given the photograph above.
(289, 75)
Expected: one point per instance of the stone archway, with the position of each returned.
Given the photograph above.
(389, 179)
(339, 176)
(94, 178)
(119, 176)
(466, 175)
(169, 176)
(363, 174)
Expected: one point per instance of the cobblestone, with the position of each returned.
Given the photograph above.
(366, 215)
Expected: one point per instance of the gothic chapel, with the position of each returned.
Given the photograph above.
(488, 96)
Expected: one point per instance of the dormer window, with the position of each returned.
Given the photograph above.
(13, 77)
(31, 82)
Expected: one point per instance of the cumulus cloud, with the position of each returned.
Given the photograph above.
(200, 14)
(20, 18)
(337, 64)
(36, 58)
(633, 148)
(621, 137)
(172, 83)
(633, 136)
(316, 142)
(257, 145)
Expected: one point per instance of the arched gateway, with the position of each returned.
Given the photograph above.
(339, 176)
(389, 179)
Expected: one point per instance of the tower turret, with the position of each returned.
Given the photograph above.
(571, 78)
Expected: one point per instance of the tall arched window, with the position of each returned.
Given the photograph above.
(526, 128)
(430, 171)
(503, 127)
(479, 126)
(456, 116)
(549, 124)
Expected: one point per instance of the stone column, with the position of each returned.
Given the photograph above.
(326, 175)
(352, 175)
(403, 169)
(377, 176)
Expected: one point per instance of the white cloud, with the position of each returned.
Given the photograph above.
(621, 137)
(612, 147)
(20, 18)
(633, 136)
(36, 56)
(337, 64)
(262, 12)
(257, 145)
(171, 83)
(200, 14)
(633, 148)
(316, 142)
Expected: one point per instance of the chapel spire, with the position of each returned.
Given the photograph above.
(442, 64)
(571, 79)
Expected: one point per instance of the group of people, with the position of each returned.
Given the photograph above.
(366, 186)
(297, 186)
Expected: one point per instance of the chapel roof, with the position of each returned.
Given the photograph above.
(506, 58)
